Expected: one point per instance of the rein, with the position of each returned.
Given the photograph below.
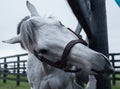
(62, 64)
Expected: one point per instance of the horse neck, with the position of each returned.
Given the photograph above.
(48, 69)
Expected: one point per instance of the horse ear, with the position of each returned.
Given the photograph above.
(13, 40)
(32, 9)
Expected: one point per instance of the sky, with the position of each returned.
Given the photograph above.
(12, 11)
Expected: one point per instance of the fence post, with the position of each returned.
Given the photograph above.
(18, 71)
(14, 69)
(0, 70)
(113, 64)
(24, 73)
(5, 71)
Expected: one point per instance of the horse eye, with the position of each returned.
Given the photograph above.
(43, 51)
(50, 17)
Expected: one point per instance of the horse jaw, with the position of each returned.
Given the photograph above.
(13, 40)
(32, 9)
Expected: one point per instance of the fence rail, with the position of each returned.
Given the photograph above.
(14, 68)
(115, 60)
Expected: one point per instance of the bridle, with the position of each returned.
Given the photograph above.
(62, 64)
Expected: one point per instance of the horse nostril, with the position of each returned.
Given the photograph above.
(43, 51)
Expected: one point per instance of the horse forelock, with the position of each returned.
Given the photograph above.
(27, 32)
(19, 24)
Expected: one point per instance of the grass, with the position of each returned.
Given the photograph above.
(24, 85)
(14, 77)
(117, 86)
(12, 85)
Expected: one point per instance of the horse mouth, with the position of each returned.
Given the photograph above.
(104, 73)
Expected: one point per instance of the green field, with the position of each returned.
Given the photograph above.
(117, 86)
(25, 85)
(12, 85)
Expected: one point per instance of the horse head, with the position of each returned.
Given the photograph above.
(48, 37)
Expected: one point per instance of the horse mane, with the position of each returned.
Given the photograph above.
(26, 29)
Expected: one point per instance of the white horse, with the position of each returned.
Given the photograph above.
(48, 37)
